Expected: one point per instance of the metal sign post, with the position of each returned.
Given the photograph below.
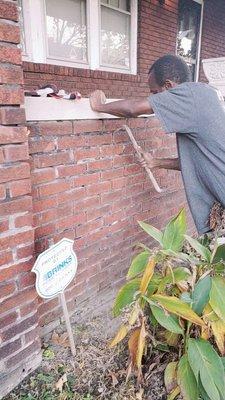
(55, 268)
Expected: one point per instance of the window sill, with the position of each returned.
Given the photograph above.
(48, 109)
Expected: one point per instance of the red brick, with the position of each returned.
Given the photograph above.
(49, 160)
(13, 134)
(12, 115)
(32, 335)
(87, 179)
(87, 126)
(23, 220)
(71, 195)
(85, 154)
(1, 156)
(9, 10)
(13, 240)
(10, 348)
(98, 140)
(7, 289)
(4, 225)
(6, 257)
(17, 152)
(98, 212)
(10, 54)
(89, 227)
(15, 269)
(10, 95)
(11, 74)
(19, 188)
(22, 297)
(71, 221)
(44, 204)
(43, 175)
(25, 251)
(8, 320)
(46, 216)
(2, 192)
(87, 204)
(29, 308)
(98, 188)
(16, 206)
(26, 281)
(41, 146)
(71, 142)
(25, 353)
(52, 128)
(44, 230)
(53, 188)
(71, 170)
(8, 173)
(99, 164)
(9, 32)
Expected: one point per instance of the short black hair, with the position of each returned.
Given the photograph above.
(170, 67)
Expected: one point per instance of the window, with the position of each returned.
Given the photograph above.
(81, 33)
(189, 18)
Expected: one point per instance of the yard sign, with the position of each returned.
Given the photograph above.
(55, 268)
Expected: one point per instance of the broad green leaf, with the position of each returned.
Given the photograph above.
(223, 362)
(125, 296)
(219, 254)
(121, 334)
(178, 307)
(173, 236)
(186, 380)
(169, 322)
(147, 276)
(177, 255)
(179, 274)
(174, 394)
(201, 294)
(202, 391)
(207, 366)
(202, 250)
(153, 284)
(186, 297)
(170, 376)
(138, 264)
(217, 296)
(152, 231)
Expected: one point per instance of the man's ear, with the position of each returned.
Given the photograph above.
(168, 84)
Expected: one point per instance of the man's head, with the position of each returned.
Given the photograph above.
(167, 72)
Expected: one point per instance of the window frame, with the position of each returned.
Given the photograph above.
(36, 37)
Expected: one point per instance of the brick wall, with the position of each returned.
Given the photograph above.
(87, 186)
(19, 341)
(157, 27)
(213, 43)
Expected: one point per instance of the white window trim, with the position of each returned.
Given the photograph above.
(36, 38)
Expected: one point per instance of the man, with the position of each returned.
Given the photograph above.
(196, 111)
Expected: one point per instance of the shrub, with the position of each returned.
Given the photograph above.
(175, 297)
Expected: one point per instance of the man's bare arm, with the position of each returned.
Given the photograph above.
(167, 163)
(159, 163)
(120, 108)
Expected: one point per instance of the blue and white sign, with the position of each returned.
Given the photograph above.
(55, 269)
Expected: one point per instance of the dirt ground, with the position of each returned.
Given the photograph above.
(95, 373)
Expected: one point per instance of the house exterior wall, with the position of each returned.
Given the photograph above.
(20, 350)
(77, 179)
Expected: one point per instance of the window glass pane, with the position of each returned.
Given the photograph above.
(115, 38)
(114, 3)
(188, 31)
(22, 32)
(66, 29)
(124, 5)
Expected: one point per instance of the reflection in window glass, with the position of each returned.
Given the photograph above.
(188, 31)
(115, 38)
(22, 31)
(66, 29)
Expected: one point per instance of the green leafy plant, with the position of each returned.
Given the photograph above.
(175, 298)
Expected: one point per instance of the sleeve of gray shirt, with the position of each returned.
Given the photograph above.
(176, 109)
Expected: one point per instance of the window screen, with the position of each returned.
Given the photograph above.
(115, 33)
(188, 31)
(66, 29)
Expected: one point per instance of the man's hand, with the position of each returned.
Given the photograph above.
(97, 99)
(147, 160)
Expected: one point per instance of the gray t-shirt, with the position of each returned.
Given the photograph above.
(196, 111)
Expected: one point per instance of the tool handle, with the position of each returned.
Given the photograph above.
(137, 148)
